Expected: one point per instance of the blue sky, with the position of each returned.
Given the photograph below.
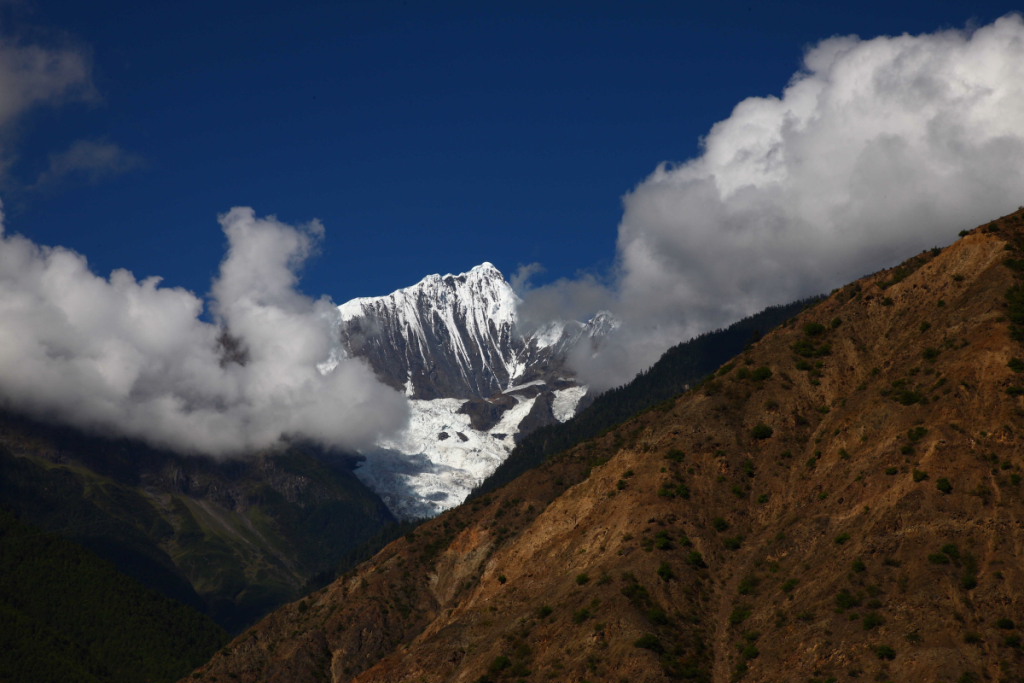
(679, 165)
(428, 137)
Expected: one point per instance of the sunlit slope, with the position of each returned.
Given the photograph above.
(843, 499)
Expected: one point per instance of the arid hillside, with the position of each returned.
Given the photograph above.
(843, 501)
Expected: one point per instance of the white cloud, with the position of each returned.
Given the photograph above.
(568, 298)
(134, 358)
(875, 150)
(31, 75)
(92, 160)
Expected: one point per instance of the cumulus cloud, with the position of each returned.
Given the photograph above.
(876, 149)
(136, 358)
(567, 298)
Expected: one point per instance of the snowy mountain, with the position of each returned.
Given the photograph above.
(475, 382)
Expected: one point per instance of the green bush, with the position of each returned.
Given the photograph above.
(846, 600)
(696, 559)
(944, 485)
(657, 616)
(917, 433)
(808, 349)
(733, 542)
(582, 579)
(872, 620)
(761, 431)
(884, 652)
(649, 641)
(908, 397)
(739, 614)
(748, 585)
(499, 664)
(749, 651)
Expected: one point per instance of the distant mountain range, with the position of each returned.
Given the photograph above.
(841, 500)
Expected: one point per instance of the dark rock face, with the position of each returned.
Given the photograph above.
(448, 336)
(456, 336)
(484, 414)
(540, 414)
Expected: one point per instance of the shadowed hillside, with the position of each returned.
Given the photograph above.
(843, 500)
(233, 538)
(66, 615)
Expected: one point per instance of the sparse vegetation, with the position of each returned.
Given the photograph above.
(884, 652)
(872, 620)
(739, 614)
(649, 641)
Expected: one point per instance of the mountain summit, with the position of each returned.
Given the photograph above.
(448, 336)
(841, 501)
(476, 381)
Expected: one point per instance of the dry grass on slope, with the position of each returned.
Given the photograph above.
(843, 501)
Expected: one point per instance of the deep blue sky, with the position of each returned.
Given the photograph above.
(428, 137)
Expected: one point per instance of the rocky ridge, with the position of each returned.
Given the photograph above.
(842, 501)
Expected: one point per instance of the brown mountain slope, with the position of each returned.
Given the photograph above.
(844, 501)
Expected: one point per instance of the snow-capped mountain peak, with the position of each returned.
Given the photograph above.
(445, 336)
(476, 382)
